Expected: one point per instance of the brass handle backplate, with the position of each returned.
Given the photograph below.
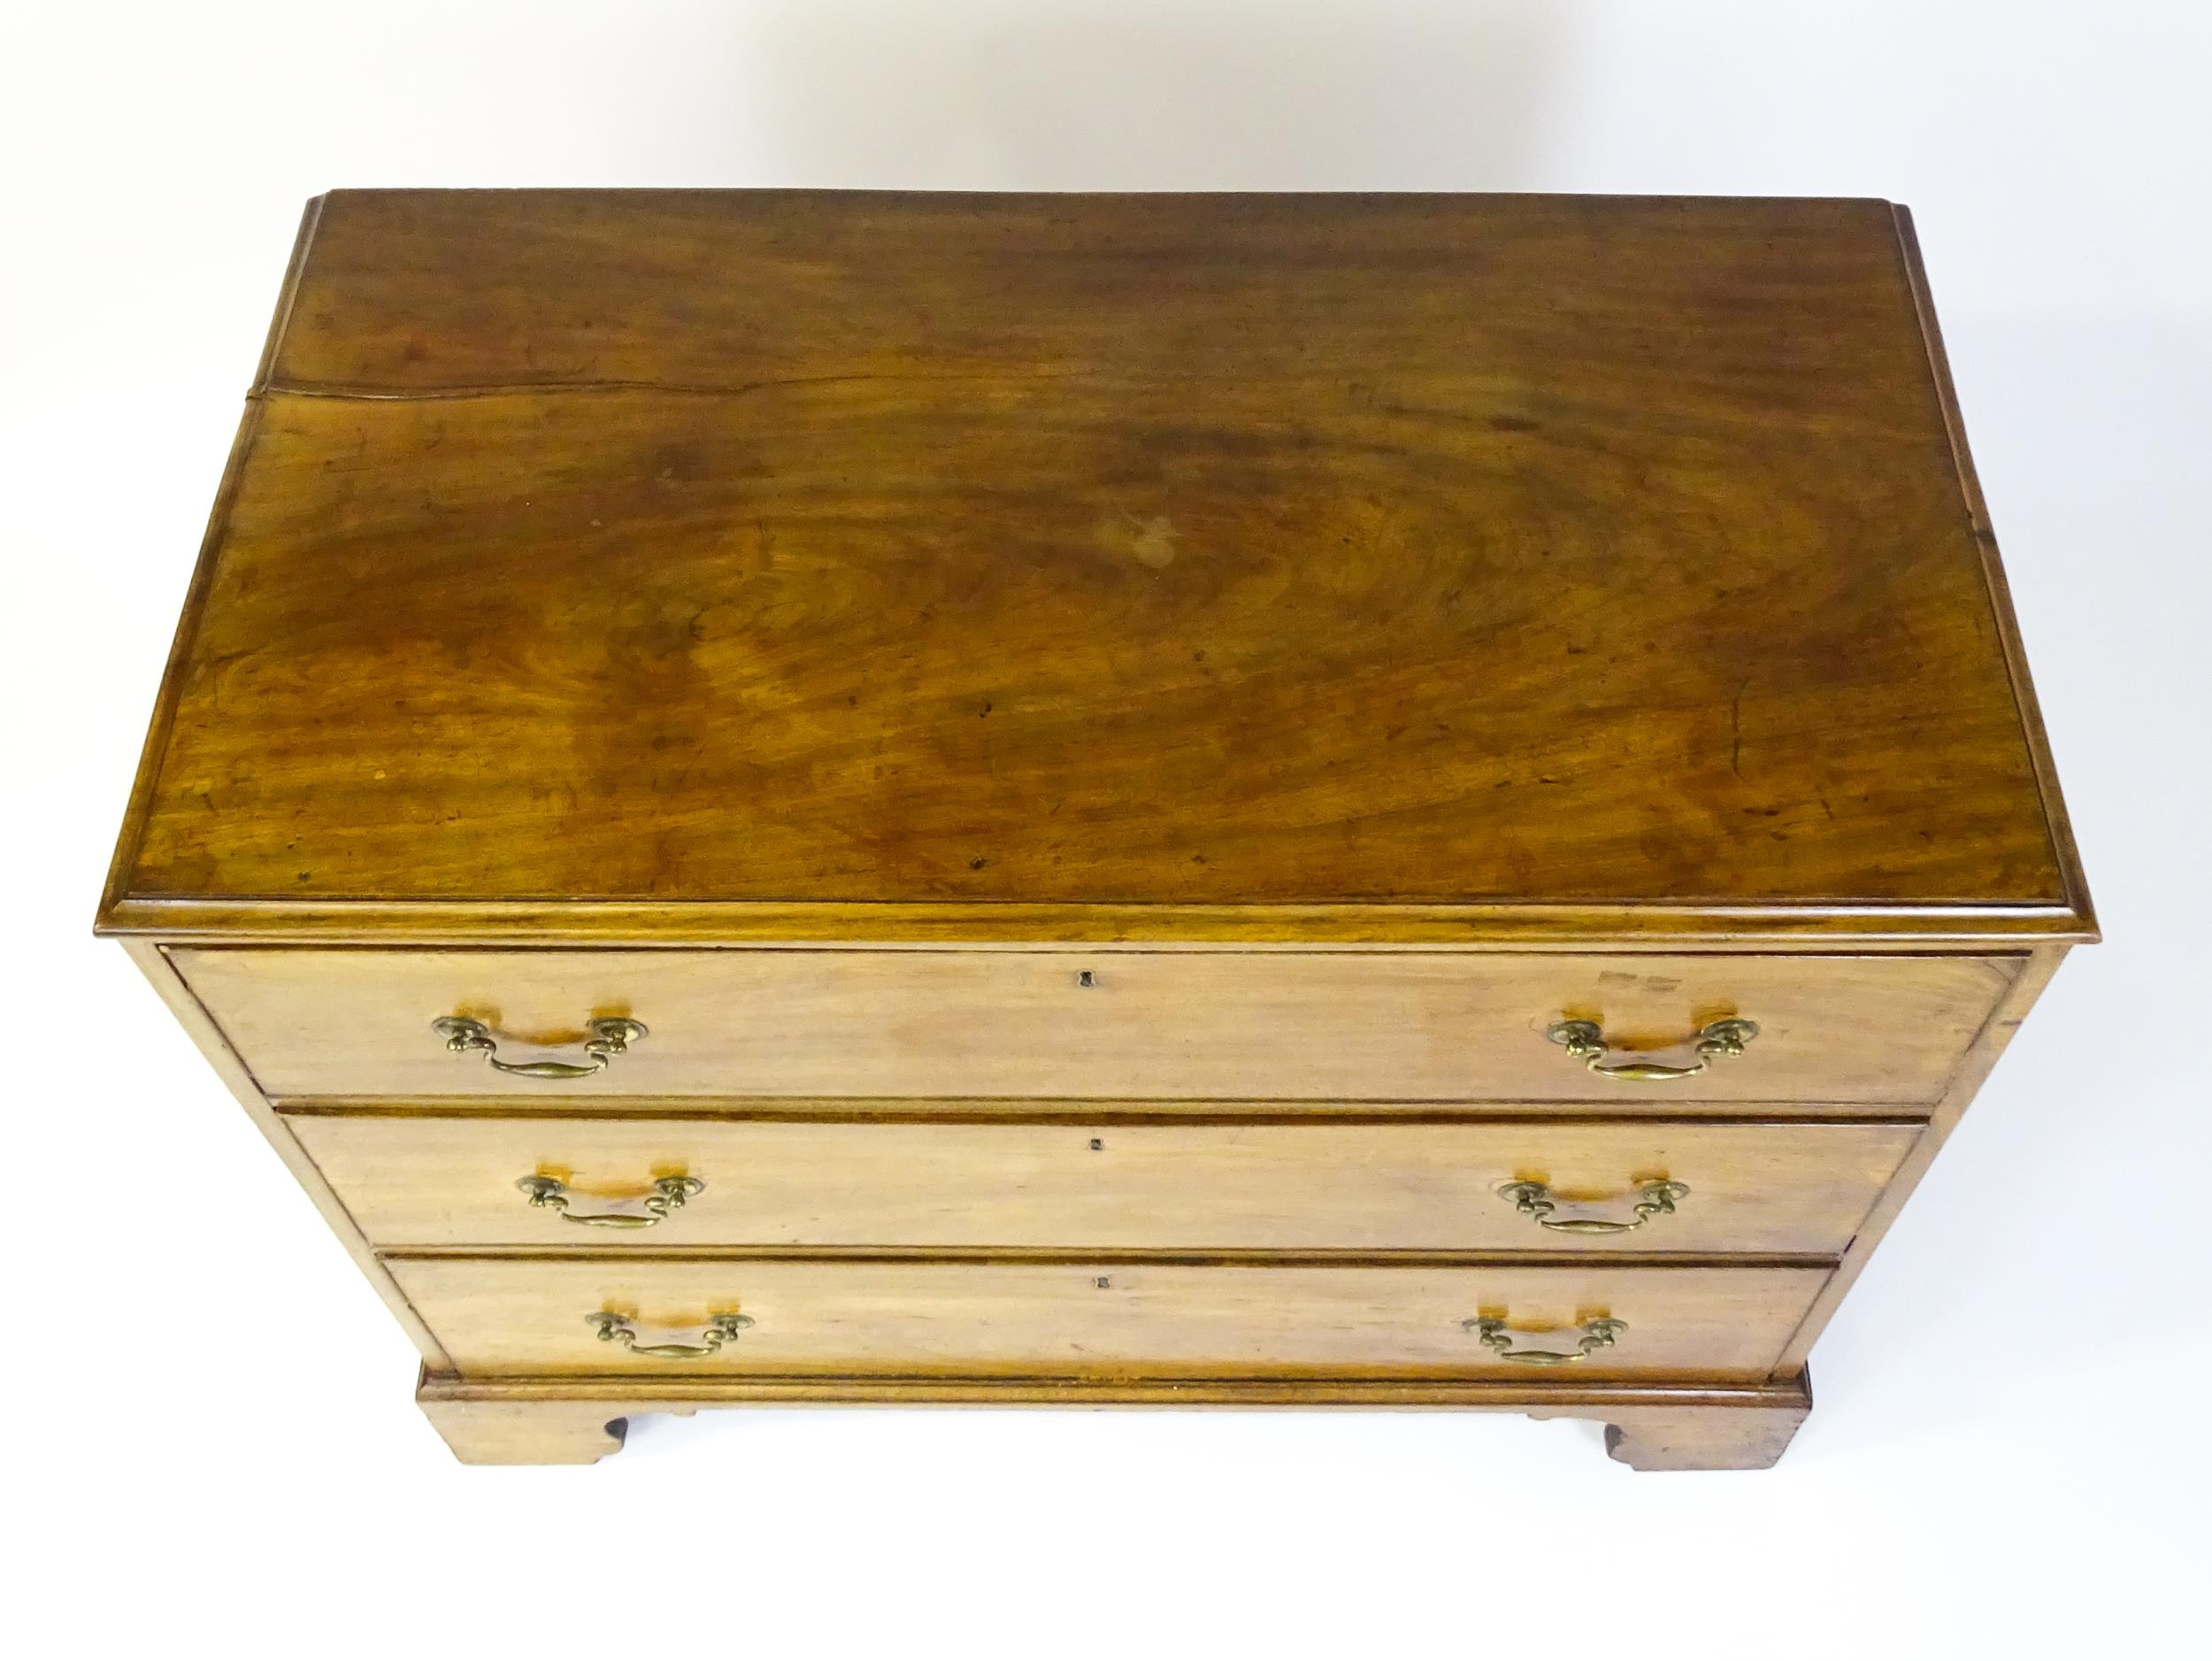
(615, 1329)
(1534, 1199)
(610, 1035)
(1597, 1335)
(1585, 1041)
(669, 1195)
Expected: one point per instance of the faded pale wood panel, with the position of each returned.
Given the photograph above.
(425, 1182)
(209, 1041)
(1185, 1025)
(2005, 1022)
(508, 1318)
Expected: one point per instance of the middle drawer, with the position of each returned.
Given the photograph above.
(1791, 1187)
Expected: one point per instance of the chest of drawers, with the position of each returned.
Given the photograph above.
(1409, 801)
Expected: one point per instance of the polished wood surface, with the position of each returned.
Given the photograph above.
(1173, 550)
(1210, 1026)
(412, 1182)
(504, 1317)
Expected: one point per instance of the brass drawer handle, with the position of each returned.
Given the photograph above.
(611, 1035)
(669, 1195)
(615, 1329)
(1597, 1335)
(1585, 1042)
(1534, 1199)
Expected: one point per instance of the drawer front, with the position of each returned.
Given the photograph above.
(430, 1182)
(1193, 1026)
(497, 1318)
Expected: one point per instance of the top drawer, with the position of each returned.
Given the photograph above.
(1178, 1025)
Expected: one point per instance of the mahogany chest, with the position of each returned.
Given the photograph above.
(1397, 800)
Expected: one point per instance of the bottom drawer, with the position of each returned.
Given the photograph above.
(497, 1318)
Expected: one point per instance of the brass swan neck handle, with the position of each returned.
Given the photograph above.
(1585, 1041)
(1598, 1333)
(607, 1036)
(615, 1329)
(1535, 1199)
(669, 1195)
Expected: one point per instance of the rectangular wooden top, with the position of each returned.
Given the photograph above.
(812, 565)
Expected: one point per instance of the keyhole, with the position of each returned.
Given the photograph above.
(1097, 1144)
(1104, 1282)
(1085, 979)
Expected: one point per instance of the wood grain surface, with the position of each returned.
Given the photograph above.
(413, 1181)
(503, 1317)
(822, 548)
(1203, 1026)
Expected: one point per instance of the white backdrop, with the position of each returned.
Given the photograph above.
(211, 1433)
